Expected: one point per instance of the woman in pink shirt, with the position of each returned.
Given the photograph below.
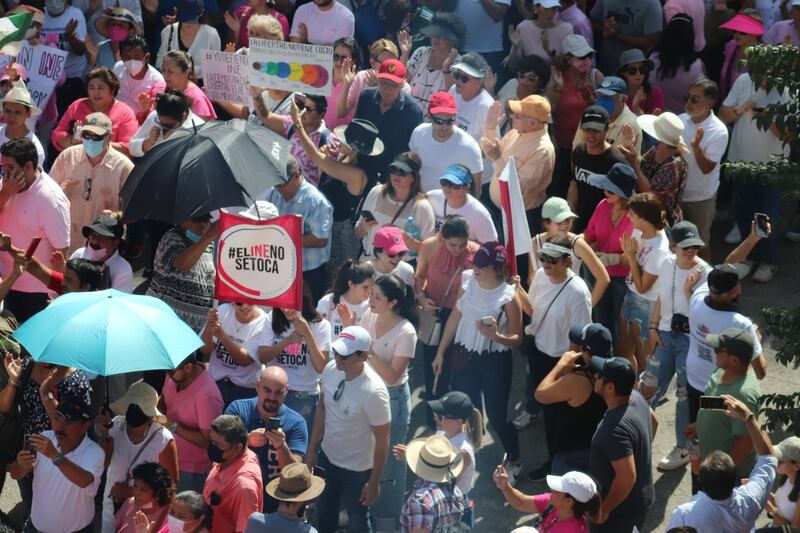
(604, 233)
(747, 29)
(574, 500)
(152, 494)
(344, 49)
(237, 21)
(102, 86)
(178, 71)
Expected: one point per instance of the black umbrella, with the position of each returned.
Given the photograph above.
(220, 164)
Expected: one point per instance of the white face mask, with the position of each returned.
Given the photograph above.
(175, 525)
(31, 33)
(95, 255)
(133, 67)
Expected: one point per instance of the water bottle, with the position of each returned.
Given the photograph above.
(413, 231)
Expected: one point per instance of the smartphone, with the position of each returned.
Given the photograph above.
(273, 423)
(716, 403)
(487, 320)
(761, 221)
(32, 247)
(29, 445)
(367, 215)
(580, 363)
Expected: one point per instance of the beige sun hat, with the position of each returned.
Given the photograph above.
(434, 459)
(295, 484)
(18, 95)
(143, 395)
(666, 127)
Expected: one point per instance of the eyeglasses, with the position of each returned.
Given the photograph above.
(692, 98)
(633, 70)
(463, 78)
(443, 121)
(398, 171)
(339, 390)
(87, 188)
(530, 76)
(544, 258)
(337, 58)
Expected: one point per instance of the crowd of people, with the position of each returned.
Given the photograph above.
(617, 116)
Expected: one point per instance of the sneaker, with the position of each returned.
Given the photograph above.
(744, 268)
(675, 459)
(514, 471)
(793, 236)
(733, 236)
(539, 474)
(765, 272)
(524, 419)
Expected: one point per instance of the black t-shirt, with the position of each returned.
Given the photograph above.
(625, 430)
(584, 165)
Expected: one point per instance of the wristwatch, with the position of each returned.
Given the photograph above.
(58, 459)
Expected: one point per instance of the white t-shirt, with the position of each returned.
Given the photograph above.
(400, 341)
(221, 363)
(532, 38)
(482, 33)
(39, 149)
(130, 88)
(476, 303)
(436, 156)
(53, 491)
(748, 141)
(670, 288)
(471, 116)
(53, 34)
(573, 307)
(481, 226)
(701, 186)
(118, 268)
(649, 256)
(348, 441)
(295, 359)
(136, 143)
(703, 320)
(207, 38)
(384, 209)
(403, 271)
(327, 309)
(463, 443)
(324, 27)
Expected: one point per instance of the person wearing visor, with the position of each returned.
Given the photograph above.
(453, 197)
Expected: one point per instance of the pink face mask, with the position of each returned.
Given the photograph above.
(581, 65)
(117, 33)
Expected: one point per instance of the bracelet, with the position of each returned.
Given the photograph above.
(14, 383)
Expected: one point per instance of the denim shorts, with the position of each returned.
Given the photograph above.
(638, 310)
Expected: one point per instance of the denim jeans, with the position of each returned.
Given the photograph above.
(669, 360)
(751, 197)
(342, 484)
(638, 310)
(608, 308)
(488, 375)
(393, 481)
(305, 404)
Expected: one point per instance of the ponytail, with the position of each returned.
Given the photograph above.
(398, 290)
(475, 428)
(590, 509)
(350, 271)
(184, 60)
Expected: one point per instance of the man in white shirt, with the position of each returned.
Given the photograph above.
(707, 136)
(440, 144)
(136, 75)
(453, 198)
(321, 22)
(67, 466)
(352, 425)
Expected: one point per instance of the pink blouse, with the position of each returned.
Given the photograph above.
(201, 105)
(123, 121)
(607, 236)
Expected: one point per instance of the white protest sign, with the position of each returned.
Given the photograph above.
(304, 68)
(45, 66)
(225, 77)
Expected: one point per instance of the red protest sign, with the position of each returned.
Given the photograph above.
(260, 261)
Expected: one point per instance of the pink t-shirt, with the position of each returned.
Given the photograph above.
(123, 121)
(551, 523)
(654, 101)
(241, 493)
(196, 407)
(331, 120)
(244, 13)
(607, 236)
(201, 105)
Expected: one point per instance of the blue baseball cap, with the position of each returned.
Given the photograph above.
(620, 180)
(457, 175)
(611, 86)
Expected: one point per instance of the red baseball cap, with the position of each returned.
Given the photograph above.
(390, 240)
(393, 70)
(443, 102)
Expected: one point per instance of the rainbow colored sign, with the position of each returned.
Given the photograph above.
(288, 66)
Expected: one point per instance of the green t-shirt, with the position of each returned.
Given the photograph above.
(715, 429)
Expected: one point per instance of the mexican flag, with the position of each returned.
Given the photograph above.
(12, 32)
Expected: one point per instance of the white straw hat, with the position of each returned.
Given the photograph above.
(666, 127)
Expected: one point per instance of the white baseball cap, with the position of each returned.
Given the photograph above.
(547, 4)
(577, 484)
(350, 340)
(261, 210)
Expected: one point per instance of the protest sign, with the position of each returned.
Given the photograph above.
(260, 261)
(282, 65)
(225, 77)
(45, 66)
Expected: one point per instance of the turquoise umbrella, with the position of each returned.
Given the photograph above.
(108, 332)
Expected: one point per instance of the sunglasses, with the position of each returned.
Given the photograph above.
(92, 137)
(692, 98)
(337, 58)
(398, 171)
(450, 185)
(530, 76)
(463, 78)
(633, 70)
(443, 121)
(339, 389)
(544, 258)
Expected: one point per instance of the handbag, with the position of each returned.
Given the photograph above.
(430, 325)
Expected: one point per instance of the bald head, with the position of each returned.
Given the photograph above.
(275, 375)
(272, 386)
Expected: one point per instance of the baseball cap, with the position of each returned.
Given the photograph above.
(594, 118)
(547, 4)
(534, 106)
(620, 180)
(105, 226)
(554, 250)
(557, 210)
(350, 340)
(390, 240)
(457, 175)
(576, 46)
(442, 102)
(789, 449)
(577, 484)
(616, 370)
(594, 338)
(490, 253)
(74, 410)
(472, 64)
(612, 85)
(454, 404)
(722, 278)
(97, 123)
(392, 70)
(734, 340)
(684, 234)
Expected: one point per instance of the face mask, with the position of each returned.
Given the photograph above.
(95, 254)
(55, 7)
(215, 453)
(117, 34)
(609, 104)
(133, 67)
(31, 33)
(175, 525)
(135, 417)
(581, 65)
(192, 236)
(93, 148)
